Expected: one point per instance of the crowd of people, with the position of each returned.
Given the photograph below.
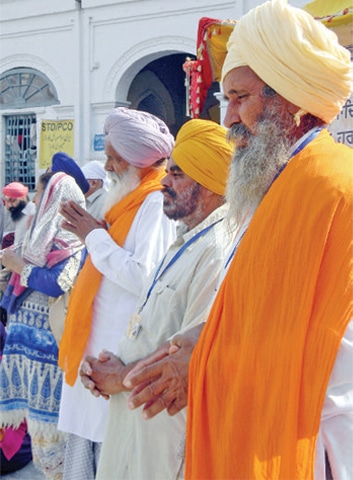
(209, 277)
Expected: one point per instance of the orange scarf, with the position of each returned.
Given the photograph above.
(79, 316)
(259, 374)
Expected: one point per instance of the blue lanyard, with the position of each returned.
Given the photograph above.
(171, 262)
(314, 133)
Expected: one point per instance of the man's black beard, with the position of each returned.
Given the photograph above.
(16, 212)
(183, 204)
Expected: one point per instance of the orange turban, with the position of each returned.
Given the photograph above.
(202, 151)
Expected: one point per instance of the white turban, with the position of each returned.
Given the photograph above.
(140, 138)
(94, 170)
(294, 54)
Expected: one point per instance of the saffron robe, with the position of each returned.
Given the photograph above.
(260, 370)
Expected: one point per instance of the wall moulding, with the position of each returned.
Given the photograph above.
(128, 65)
(32, 61)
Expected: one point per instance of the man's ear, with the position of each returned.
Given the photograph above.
(291, 108)
(95, 183)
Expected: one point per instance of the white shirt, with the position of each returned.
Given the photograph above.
(134, 448)
(125, 271)
(336, 426)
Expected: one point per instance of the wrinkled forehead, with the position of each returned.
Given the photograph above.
(241, 78)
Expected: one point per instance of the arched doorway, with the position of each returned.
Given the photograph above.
(159, 88)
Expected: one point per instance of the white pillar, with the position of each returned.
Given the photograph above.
(223, 103)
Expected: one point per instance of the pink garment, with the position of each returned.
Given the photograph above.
(11, 439)
(15, 190)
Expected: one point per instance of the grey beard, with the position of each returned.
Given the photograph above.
(255, 166)
(120, 186)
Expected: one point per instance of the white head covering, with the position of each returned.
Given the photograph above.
(294, 54)
(46, 227)
(94, 170)
(139, 137)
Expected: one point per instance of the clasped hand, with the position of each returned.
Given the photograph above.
(78, 221)
(160, 381)
(103, 376)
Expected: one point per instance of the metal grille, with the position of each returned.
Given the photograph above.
(21, 149)
(24, 87)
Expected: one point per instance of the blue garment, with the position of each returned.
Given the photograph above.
(43, 280)
(24, 454)
(62, 162)
(30, 380)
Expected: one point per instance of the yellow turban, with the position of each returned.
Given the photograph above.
(294, 54)
(202, 151)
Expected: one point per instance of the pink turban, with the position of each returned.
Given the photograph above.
(139, 137)
(15, 190)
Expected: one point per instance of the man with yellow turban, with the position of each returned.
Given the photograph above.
(270, 379)
(177, 296)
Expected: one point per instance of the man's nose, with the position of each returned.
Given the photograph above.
(165, 182)
(107, 166)
(232, 115)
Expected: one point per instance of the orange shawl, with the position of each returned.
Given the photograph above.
(79, 316)
(259, 373)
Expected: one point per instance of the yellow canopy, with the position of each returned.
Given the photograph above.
(213, 35)
(331, 13)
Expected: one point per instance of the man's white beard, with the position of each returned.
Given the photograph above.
(120, 186)
(255, 166)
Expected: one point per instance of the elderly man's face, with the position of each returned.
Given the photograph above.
(181, 193)
(114, 163)
(244, 91)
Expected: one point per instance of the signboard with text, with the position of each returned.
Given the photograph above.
(98, 144)
(55, 136)
(342, 127)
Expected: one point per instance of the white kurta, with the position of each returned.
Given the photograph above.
(336, 426)
(134, 448)
(125, 271)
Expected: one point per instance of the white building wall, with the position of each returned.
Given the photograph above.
(92, 50)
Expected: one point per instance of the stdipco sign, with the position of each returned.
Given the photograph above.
(55, 136)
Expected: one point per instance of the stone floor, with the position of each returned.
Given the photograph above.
(26, 473)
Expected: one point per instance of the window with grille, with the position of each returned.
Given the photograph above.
(20, 149)
(23, 88)
(26, 87)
